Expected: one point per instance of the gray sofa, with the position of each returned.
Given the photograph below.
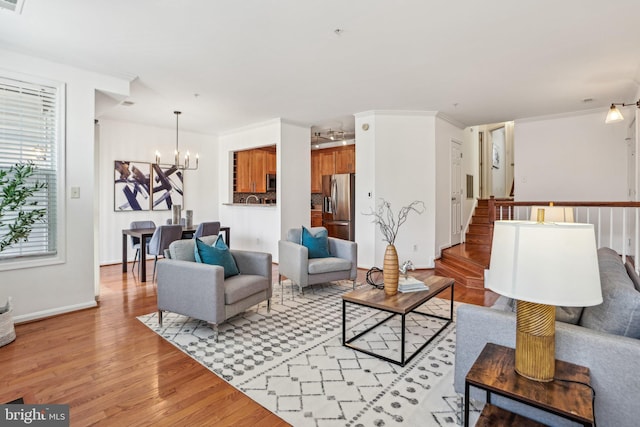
(201, 291)
(596, 341)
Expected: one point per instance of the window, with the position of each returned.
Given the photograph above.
(30, 129)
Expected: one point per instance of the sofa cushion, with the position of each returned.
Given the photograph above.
(633, 275)
(328, 265)
(563, 314)
(317, 243)
(239, 287)
(619, 312)
(218, 254)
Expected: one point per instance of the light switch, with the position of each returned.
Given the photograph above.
(75, 192)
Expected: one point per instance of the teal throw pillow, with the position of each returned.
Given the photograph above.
(318, 244)
(217, 254)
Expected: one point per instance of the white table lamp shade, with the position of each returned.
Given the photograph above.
(545, 263)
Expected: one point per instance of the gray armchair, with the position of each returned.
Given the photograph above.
(296, 265)
(200, 290)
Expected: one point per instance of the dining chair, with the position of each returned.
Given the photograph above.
(161, 239)
(183, 221)
(207, 229)
(135, 241)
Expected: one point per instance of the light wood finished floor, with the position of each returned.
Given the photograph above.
(113, 370)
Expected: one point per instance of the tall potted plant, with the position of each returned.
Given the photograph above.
(18, 214)
(389, 225)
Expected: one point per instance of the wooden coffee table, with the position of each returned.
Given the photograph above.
(400, 304)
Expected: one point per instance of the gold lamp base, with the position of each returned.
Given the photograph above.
(535, 341)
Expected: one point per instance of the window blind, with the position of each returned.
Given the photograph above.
(28, 133)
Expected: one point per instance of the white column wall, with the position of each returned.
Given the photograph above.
(48, 290)
(131, 141)
(445, 132)
(401, 145)
(575, 157)
(294, 178)
(260, 228)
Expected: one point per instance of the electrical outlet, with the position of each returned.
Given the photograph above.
(415, 248)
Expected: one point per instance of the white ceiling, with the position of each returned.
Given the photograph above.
(254, 60)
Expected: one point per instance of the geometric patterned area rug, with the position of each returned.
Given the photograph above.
(293, 363)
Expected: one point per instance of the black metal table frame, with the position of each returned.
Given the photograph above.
(402, 361)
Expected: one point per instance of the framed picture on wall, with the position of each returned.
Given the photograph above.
(496, 157)
(131, 186)
(167, 187)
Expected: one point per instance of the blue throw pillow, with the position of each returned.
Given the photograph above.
(318, 244)
(217, 254)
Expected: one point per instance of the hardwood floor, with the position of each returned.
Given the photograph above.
(113, 370)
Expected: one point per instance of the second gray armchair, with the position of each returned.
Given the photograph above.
(295, 264)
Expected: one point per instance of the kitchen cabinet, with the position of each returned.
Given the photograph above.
(327, 162)
(316, 176)
(251, 170)
(345, 160)
(244, 183)
(331, 161)
(316, 218)
(271, 162)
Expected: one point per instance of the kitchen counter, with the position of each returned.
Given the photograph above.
(255, 205)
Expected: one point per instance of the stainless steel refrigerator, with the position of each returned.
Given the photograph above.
(338, 207)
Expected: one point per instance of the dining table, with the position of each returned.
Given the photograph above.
(144, 233)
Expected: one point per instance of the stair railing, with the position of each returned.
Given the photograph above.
(469, 219)
(617, 224)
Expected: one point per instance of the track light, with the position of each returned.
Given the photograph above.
(614, 115)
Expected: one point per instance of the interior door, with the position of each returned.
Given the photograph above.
(456, 192)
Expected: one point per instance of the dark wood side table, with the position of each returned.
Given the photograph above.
(494, 372)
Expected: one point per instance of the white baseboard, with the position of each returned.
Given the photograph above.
(54, 312)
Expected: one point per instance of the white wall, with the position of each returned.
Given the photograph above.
(499, 176)
(131, 141)
(445, 132)
(44, 291)
(575, 157)
(260, 228)
(402, 147)
(365, 230)
(470, 166)
(294, 178)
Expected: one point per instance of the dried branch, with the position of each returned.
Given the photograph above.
(383, 216)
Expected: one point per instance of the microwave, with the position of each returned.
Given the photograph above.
(271, 182)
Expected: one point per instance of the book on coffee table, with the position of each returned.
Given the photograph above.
(411, 284)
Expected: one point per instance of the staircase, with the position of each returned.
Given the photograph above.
(466, 262)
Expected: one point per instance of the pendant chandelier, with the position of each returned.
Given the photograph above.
(187, 157)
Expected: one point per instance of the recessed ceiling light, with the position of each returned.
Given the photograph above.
(128, 103)
(587, 100)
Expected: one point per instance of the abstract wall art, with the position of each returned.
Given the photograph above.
(167, 187)
(131, 186)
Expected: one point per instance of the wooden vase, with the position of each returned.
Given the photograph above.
(390, 270)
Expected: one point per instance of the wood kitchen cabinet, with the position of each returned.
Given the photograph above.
(316, 176)
(251, 169)
(346, 159)
(330, 161)
(244, 183)
(316, 218)
(271, 161)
